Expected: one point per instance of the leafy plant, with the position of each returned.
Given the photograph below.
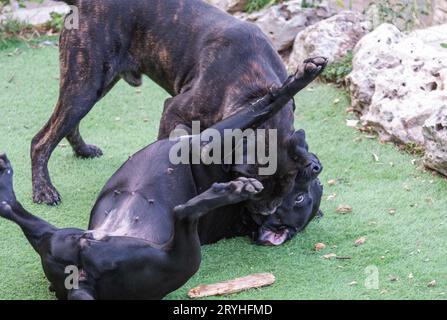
(310, 3)
(336, 72)
(12, 32)
(20, 2)
(255, 5)
(405, 14)
(56, 23)
(413, 148)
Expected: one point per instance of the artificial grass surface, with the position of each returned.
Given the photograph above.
(413, 240)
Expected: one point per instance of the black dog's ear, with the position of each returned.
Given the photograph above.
(301, 139)
(301, 134)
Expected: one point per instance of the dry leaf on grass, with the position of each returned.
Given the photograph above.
(353, 283)
(360, 241)
(431, 284)
(332, 182)
(330, 256)
(352, 123)
(331, 196)
(344, 209)
(319, 246)
(375, 157)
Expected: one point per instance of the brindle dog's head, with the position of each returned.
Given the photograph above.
(293, 158)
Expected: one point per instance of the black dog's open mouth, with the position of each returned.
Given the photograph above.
(273, 238)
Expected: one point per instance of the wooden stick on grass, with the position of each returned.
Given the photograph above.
(232, 286)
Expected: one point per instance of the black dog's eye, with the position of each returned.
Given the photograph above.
(299, 199)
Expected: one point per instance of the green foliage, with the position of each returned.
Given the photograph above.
(405, 14)
(56, 23)
(336, 72)
(255, 5)
(12, 33)
(413, 148)
(21, 2)
(310, 3)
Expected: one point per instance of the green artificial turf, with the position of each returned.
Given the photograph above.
(410, 241)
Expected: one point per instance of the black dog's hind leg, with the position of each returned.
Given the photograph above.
(35, 229)
(220, 194)
(186, 244)
(58, 248)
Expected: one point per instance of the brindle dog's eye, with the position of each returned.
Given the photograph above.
(299, 199)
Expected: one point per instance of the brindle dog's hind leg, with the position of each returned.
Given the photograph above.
(80, 148)
(86, 76)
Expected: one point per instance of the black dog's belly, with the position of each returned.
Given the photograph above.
(138, 199)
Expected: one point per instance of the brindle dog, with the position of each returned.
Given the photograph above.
(210, 62)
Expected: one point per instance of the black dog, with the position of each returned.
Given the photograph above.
(123, 264)
(210, 62)
(142, 241)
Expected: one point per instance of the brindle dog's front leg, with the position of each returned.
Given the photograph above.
(219, 195)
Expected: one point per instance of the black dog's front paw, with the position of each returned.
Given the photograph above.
(239, 189)
(46, 193)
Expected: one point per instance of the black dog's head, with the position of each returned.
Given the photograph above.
(298, 208)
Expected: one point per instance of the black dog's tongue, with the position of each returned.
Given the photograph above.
(269, 237)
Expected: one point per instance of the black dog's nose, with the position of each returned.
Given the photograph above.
(316, 168)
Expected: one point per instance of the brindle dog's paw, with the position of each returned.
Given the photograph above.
(239, 189)
(313, 67)
(46, 193)
(89, 151)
